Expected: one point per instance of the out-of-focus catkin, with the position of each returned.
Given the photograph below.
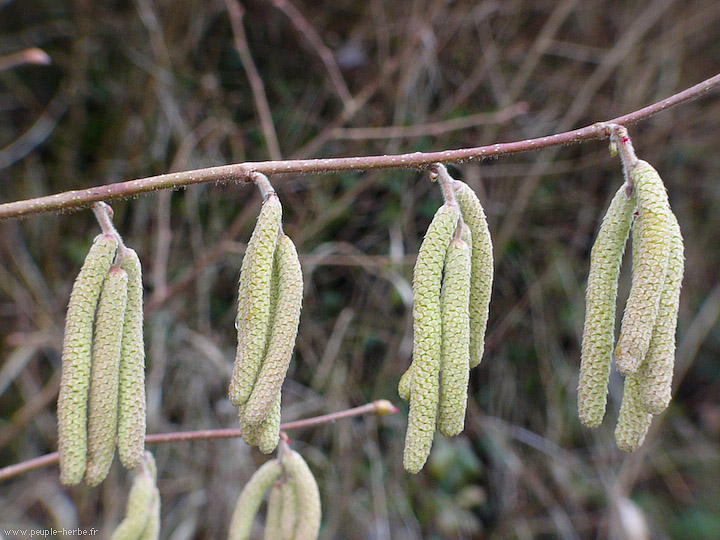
(600, 300)
(103, 402)
(131, 386)
(482, 268)
(76, 356)
(288, 518)
(142, 514)
(273, 528)
(250, 498)
(651, 238)
(308, 496)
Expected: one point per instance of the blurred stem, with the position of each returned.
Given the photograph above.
(74, 200)
(379, 407)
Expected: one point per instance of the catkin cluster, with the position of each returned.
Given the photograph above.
(645, 351)
(293, 509)
(102, 388)
(452, 281)
(142, 513)
(269, 302)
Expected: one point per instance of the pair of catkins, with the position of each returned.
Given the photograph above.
(452, 282)
(293, 509)
(645, 351)
(102, 387)
(269, 302)
(142, 512)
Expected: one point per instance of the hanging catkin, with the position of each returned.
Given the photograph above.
(273, 528)
(633, 421)
(254, 301)
(482, 267)
(455, 362)
(651, 238)
(77, 346)
(142, 514)
(656, 371)
(131, 386)
(600, 300)
(421, 381)
(103, 401)
(308, 496)
(288, 517)
(250, 498)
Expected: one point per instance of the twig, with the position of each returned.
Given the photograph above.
(32, 55)
(379, 407)
(74, 200)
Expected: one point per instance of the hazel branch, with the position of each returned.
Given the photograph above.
(75, 200)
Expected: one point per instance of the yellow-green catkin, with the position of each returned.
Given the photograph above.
(634, 421)
(427, 280)
(77, 350)
(273, 528)
(250, 498)
(103, 400)
(455, 362)
(651, 238)
(427, 338)
(131, 388)
(254, 301)
(143, 506)
(288, 517)
(656, 371)
(270, 428)
(308, 496)
(283, 332)
(482, 268)
(600, 300)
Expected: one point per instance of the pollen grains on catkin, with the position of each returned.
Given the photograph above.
(250, 498)
(481, 277)
(307, 496)
(651, 239)
(421, 382)
(76, 357)
(103, 402)
(600, 300)
(254, 301)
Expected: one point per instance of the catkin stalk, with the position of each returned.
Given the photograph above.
(250, 498)
(308, 496)
(103, 402)
(254, 301)
(77, 347)
(482, 268)
(131, 387)
(455, 362)
(427, 335)
(651, 238)
(633, 421)
(656, 371)
(600, 300)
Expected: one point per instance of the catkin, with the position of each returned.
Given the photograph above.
(308, 496)
(427, 338)
(656, 371)
(103, 400)
(77, 347)
(270, 428)
(455, 362)
(288, 517)
(651, 238)
(633, 421)
(250, 498)
(131, 387)
(152, 527)
(482, 268)
(283, 332)
(273, 528)
(254, 301)
(143, 506)
(600, 299)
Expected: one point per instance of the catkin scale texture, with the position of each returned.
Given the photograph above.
(633, 421)
(103, 401)
(427, 337)
(250, 498)
(77, 347)
(651, 238)
(254, 301)
(283, 332)
(308, 496)
(481, 277)
(600, 300)
(270, 428)
(455, 362)
(131, 386)
(656, 371)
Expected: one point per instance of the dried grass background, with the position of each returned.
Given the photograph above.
(140, 88)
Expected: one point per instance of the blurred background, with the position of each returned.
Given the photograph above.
(133, 89)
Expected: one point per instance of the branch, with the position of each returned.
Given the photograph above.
(379, 407)
(74, 200)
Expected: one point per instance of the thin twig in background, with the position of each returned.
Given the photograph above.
(74, 200)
